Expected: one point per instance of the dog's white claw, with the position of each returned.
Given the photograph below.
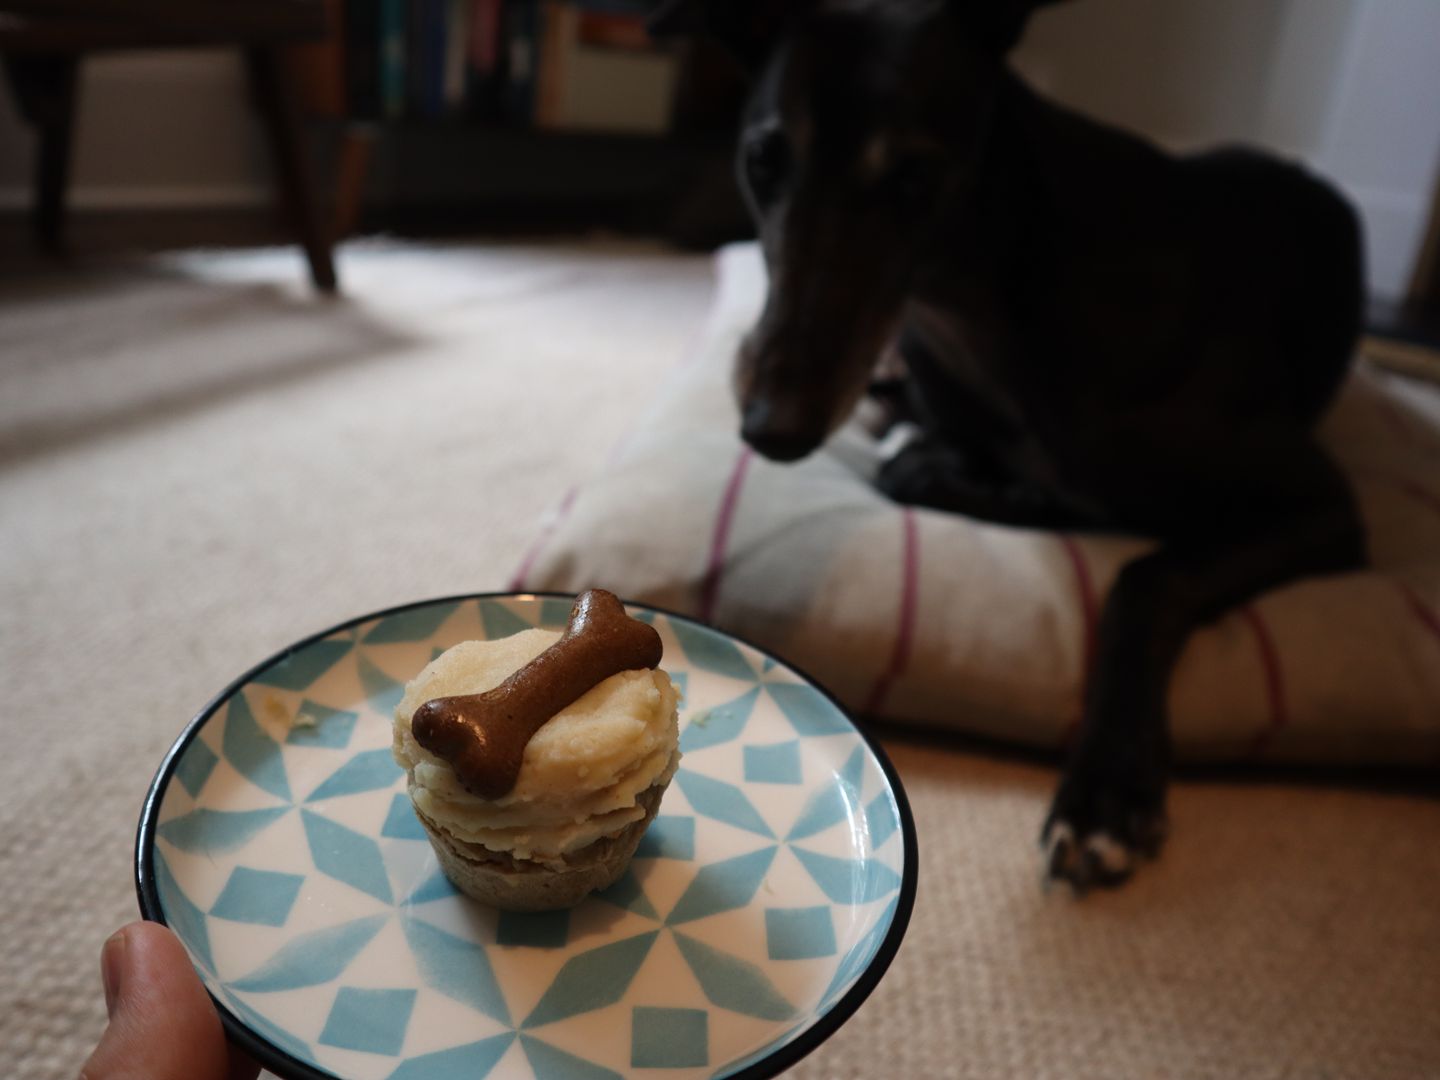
(1058, 833)
(1113, 856)
(1058, 845)
(897, 439)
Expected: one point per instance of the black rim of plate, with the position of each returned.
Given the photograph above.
(285, 1065)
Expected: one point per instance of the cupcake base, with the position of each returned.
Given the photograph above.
(510, 884)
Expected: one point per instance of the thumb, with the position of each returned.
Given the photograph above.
(162, 1023)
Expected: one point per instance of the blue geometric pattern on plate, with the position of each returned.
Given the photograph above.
(732, 983)
(799, 933)
(778, 764)
(669, 837)
(312, 958)
(382, 692)
(722, 801)
(537, 929)
(720, 724)
(322, 726)
(301, 669)
(369, 1020)
(217, 832)
(252, 752)
(401, 822)
(416, 624)
(199, 763)
(366, 771)
(456, 968)
(808, 709)
(471, 1062)
(346, 855)
(669, 1038)
(288, 858)
(258, 896)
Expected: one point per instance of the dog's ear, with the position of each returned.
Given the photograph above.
(998, 24)
(747, 28)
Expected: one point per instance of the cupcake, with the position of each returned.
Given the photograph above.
(535, 762)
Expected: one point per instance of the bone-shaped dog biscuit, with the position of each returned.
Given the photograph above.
(483, 736)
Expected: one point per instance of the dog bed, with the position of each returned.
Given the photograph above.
(929, 618)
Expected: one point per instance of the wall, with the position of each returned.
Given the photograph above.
(1350, 86)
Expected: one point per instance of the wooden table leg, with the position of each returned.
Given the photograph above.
(282, 129)
(352, 166)
(45, 89)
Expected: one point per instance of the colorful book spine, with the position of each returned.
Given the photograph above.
(457, 42)
(362, 58)
(434, 31)
(634, 8)
(393, 57)
(521, 59)
(415, 13)
(483, 59)
(614, 30)
(557, 34)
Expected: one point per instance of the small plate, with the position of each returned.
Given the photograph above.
(763, 906)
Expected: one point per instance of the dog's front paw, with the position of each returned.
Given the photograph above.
(1099, 829)
(914, 469)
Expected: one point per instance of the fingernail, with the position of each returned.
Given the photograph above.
(112, 966)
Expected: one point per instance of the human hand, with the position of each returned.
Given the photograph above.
(163, 1025)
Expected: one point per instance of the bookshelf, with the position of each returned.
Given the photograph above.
(521, 114)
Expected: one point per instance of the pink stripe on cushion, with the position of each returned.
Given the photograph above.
(1274, 676)
(905, 629)
(517, 581)
(710, 587)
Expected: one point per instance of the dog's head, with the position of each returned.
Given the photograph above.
(863, 130)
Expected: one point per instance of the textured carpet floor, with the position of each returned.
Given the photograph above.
(200, 463)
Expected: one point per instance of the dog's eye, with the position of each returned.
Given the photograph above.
(767, 161)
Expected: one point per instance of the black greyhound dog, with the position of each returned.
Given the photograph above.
(1096, 334)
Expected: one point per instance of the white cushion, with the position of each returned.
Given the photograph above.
(932, 618)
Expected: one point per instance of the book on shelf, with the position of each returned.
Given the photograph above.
(484, 70)
(457, 38)
(599, 70)
(362, 58)
(557, 65)
(427, 50)
(521, 59)
(614, 29)
(394, 58)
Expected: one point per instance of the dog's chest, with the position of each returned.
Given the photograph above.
(965, 400)
(947, 356)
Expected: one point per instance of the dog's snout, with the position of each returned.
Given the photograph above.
(767, 432)
(780, 446)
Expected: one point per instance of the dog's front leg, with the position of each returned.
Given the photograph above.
(1109, 810)
(1110, 806)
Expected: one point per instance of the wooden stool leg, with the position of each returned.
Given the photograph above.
(282, 129)
(356, 147)
(45, 89)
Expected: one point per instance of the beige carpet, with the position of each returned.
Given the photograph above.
(200, 463)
